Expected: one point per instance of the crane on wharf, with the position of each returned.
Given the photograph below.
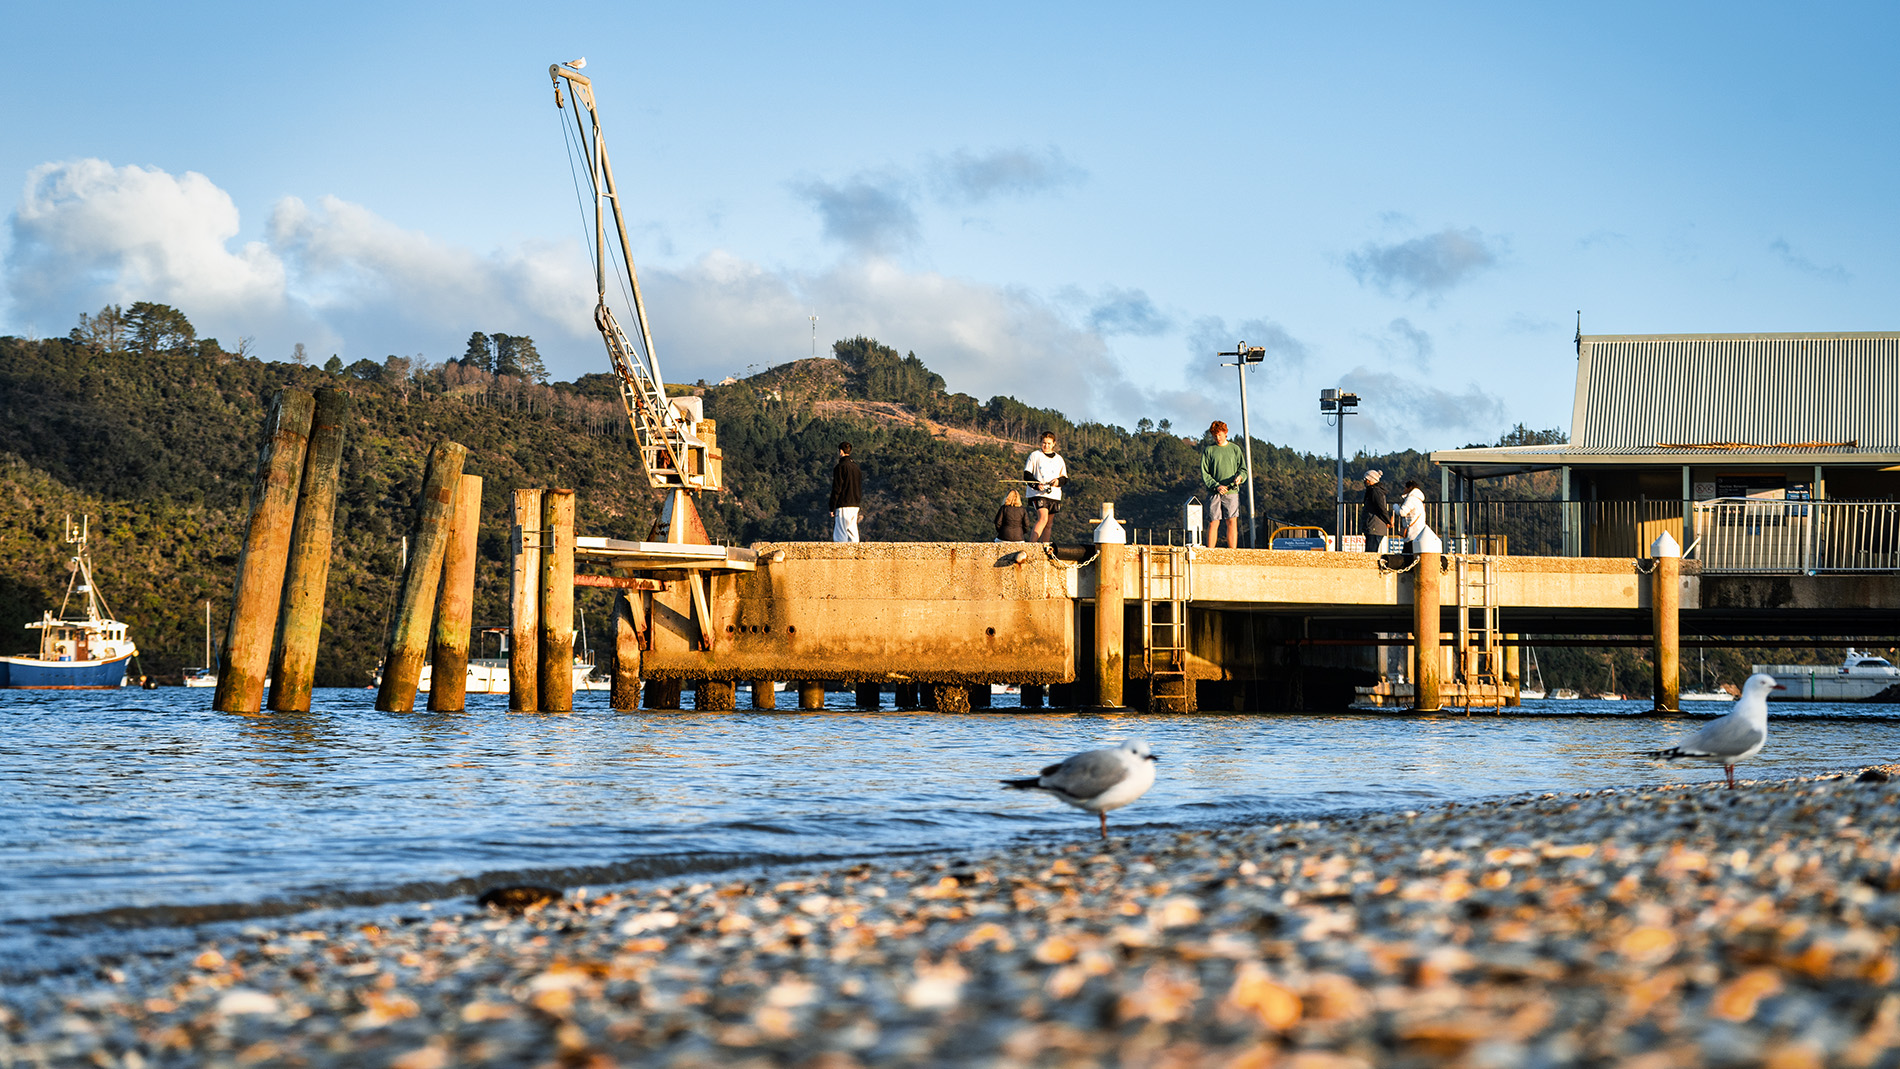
(680, 454)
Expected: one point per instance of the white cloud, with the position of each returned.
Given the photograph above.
(1424, 266)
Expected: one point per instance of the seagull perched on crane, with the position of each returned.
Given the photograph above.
(577, 64)
(1736, 736)
(1098, 780)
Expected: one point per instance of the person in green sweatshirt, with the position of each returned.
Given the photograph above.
(1223, 470)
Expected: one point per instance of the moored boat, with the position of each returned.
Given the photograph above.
(80, 648)
(1860, 677)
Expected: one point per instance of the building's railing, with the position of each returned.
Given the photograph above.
(1726, 535)
(1800, 537)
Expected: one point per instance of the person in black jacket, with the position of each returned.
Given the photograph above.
(847, 495)
(1375, 517)
(1012, 520)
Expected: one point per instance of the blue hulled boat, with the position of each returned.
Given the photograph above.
(81, 648)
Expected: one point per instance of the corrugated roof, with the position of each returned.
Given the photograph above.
(1636, 392)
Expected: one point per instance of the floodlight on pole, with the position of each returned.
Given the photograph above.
(1339, 404)
(1246, 356)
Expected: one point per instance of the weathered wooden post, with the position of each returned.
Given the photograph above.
(1110, 550)
(1513, 670)
(410, 629)
(811, 695)
(259, 586)
(762, 696)
(715, 696)
(1665, 604)
(948, 698)
(661, 694)
(300, 623)
(869, 695)
(455, 605)
(557, 602)
(625, 695)
(1427, 660)
(1032, 695)
(906, 696)
(524, 605)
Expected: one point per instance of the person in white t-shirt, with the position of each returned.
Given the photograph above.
(1045, 472)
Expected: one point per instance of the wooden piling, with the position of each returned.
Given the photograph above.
(762, 695)
(661, 694)
(625, 695)
(949, 698)
(1665, 600)
(905, 696)
(1032, 695)
(455, 604)
(300, 623)
(1427, 661)
(715, 696)
(524, 603)
(410, 629)
(259, 586)
(1513, 671)
(557, 602)
(1108, 624)
(811, 695)
(870, 695)
(979, 695)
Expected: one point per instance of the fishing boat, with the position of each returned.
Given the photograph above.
(203, 677)
(81, 647)
(1860, 677)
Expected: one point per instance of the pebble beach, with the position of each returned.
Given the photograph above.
(1648, 927)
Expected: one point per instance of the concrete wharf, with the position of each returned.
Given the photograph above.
(1171, 628)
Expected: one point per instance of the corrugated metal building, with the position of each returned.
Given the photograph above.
(1672, 419)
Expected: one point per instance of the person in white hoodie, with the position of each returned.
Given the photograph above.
(1411, 517)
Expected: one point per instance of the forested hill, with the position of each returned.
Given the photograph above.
(159, 446)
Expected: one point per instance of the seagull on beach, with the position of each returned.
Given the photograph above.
(1098, 780)
(1736, 736)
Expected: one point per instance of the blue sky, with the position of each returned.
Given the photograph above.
(1075, 204)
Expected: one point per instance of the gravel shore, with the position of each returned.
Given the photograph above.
(1656, 927)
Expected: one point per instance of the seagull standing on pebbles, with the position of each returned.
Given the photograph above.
(1737, 736)
(1099, 780)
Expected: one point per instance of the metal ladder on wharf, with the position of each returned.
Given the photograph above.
(1163, 572)
(1479, 646)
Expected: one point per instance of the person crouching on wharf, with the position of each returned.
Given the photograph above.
(1012, 520)
(1045, 472)
(1223, 469)
(1375, 518)
(847, 494)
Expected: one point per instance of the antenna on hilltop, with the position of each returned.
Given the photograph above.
(814, 335)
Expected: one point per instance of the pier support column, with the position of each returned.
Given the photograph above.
(1427, 660)
(1032, 696)
(524, 603)
(556, 684)
(1108, 625)
(905, 696)
(301, 622)
(257, 592)
(413, 625)
(870, 695)
(625, 695)
(979, 695)
(715, 696)
(762, 695)
(661, 694)
(811, 695)
(455, 605)
(950, 698)
(1513, 671)
(1665, 603)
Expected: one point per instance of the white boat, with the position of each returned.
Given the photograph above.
(81, 648)
(1860, 677)
(489, 675)
(1705, 696)
(203, 677)
(1565, 694)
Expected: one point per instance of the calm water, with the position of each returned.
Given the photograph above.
(143, 808)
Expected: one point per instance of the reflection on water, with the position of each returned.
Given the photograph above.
(146, 800)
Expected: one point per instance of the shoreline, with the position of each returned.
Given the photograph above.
(1667, 925)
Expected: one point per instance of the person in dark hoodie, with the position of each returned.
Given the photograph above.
(1375, 517)
(1012, 520)
(847, 495)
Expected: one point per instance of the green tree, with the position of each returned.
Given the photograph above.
(366, 369)
(158, 328)
(480, 353)
(102, 333)
(334, 365)
(515, 355)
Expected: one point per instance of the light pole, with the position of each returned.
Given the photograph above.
(1339, 404)
(1246, 356)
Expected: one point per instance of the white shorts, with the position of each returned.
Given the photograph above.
(844, 524)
